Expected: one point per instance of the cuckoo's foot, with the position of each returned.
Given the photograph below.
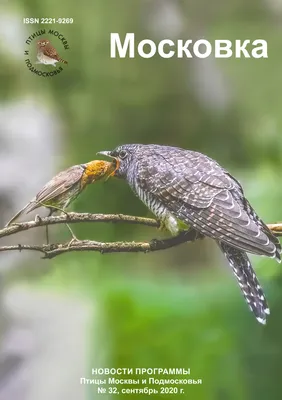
(162, 225)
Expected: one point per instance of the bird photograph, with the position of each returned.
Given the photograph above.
(47, 54)
(140, 200)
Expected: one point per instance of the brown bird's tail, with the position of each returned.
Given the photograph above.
(29, 207)
(63, 61)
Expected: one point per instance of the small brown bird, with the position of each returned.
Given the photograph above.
(47, 54)
(64, 188)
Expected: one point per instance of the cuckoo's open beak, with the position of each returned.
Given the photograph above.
(105, 153)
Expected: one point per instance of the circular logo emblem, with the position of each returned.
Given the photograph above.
(46, 53)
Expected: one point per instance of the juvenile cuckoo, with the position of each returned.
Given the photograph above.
(188, 190)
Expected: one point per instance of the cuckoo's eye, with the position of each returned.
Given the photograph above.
(122, 154)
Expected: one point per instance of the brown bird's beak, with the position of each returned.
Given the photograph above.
(108, 154)
(117, 167)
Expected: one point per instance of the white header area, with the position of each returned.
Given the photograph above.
(201, 48)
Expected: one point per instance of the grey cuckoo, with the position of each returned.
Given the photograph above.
(188, 190)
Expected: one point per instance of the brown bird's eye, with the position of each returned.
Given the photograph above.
(122, 154)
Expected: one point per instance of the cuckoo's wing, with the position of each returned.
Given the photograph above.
(198, 191)
(58, 185)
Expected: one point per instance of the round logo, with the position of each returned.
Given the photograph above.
(45, 53)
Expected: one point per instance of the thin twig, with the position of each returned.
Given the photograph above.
(75, 218)
(53, 250)
(276, 229)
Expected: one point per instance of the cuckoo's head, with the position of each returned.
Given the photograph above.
(125, 156)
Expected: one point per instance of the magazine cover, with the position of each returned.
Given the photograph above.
(140, 200)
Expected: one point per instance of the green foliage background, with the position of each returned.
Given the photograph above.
(177, 308)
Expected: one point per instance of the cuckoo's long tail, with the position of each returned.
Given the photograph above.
(247, 280)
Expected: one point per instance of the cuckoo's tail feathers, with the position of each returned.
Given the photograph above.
(247, 280)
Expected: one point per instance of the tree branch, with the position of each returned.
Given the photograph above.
(75, 218)
(276, 229)
(53, 250)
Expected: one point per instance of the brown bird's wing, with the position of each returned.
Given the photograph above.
(199, 192)
(58, 185)
(51, 52)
